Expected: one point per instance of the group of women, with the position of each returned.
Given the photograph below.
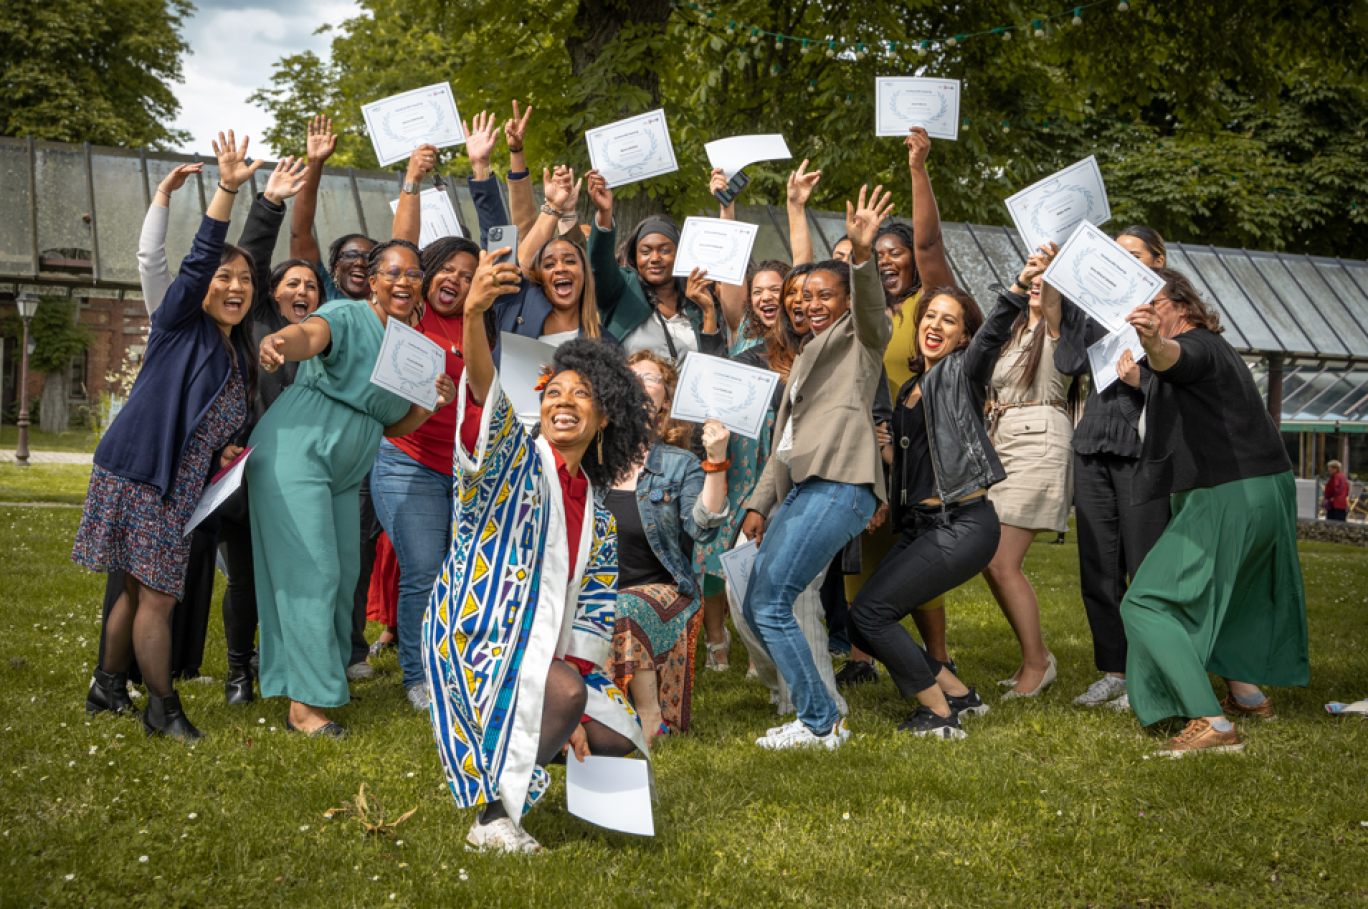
(556, 578)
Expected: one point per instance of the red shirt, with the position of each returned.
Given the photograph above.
(575, 495)
(1337, 491)
(433, 443)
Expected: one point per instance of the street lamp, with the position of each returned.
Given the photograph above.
(28, 308)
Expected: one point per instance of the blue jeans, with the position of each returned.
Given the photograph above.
(817, 519)
(414, 505)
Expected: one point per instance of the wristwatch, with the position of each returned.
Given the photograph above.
(411, 187)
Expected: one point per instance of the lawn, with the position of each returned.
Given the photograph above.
(62, 484)
(72, 440)
(1043, 805)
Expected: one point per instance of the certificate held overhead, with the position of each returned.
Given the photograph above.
(721, 247)
(1050, 211)
(737, 152)
(438, 216)
(399, 124)
(905, 102)
(633, 149)
(1100, 277)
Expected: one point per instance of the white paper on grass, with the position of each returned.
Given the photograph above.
(521, 363)
(1050, 211)
(1104, 355)
(611, 792)
(438, 216)
(400, 123)
(224, 484)
(633, 149)
(722, 248)
(735, 395)
(737, 564)
(1100, 277)
(739, 151)
(409, 364)
(903, 102)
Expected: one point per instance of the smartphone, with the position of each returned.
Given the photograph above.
(734, 187)
(499, 237)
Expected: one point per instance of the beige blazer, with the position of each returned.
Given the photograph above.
(832, 408)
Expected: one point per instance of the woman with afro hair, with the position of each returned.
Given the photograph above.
(520, 624)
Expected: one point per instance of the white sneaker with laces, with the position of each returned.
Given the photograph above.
(501, 836)
(1107, 688)
(1121, 704)
(419, 697)
(357, 672)
(799, 736)
(775, 730)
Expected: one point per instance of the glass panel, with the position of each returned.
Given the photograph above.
(1287, 330)
(972, 271)
(830, 229)
(16, 236)
(1178, 261)
(1353, 404)
(1352, 293)
(465, 209)
(1231, 300)
(1308, 312)
(62, 204)
(1002, 254)
(1329, 302)
(1296, 396)
(768, 243)
(1018, 244)
(336, 213)
(119, 211)
(183, 220)
(377, 192)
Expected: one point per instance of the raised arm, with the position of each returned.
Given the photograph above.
(801, 183)
(562, 193)
(262, 229)
(320, 145)
(609, 285)
(154, 272)
(1051, 303)
(733, 296)
(408, 217)
(932, 264)
(521, 202)
(872, 324)
(1161, 353)
(983, 350)
(489, 283)
(481, 136)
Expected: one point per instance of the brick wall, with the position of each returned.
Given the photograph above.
(115, 327)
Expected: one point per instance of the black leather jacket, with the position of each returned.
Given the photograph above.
(954, 393)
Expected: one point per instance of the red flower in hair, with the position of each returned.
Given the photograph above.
(541, 382)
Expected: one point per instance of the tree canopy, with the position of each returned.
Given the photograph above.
(91, 70)
(1226, 122)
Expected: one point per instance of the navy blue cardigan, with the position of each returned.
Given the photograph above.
(185, 368)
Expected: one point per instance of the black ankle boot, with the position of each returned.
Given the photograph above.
(164, 716)
(109, 694)
(237, 688)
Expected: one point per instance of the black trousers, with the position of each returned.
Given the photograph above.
(370, 535)
(1114, 537)
(938, 552)
(190, 618)
(833, 598)
(239, 602)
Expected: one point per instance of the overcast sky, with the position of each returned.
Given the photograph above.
(233, 44)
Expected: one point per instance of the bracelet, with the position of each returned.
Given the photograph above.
(546, 209)
(231, 192)
(716, 466)
(515, 151)
(163, 192)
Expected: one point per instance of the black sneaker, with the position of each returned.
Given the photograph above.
(951, 665)
(857, 672)
(924, 722)
(970, 703)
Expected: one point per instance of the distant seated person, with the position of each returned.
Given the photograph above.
(1336, 494)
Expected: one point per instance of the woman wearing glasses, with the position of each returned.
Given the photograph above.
(310, 453)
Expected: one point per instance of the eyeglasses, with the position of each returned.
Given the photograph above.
(650, 379)
(392, 275)
(351, 255)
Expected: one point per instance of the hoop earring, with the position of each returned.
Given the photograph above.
(600, 445)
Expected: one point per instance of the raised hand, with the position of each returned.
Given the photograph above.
(492, 279)
(481, 139)
(697, 288)
(232, 161)
(176, 179)
(863, 220)
(286, 180)
(1145, 320)
(446, 391)
(422, 162)
(602, 197)
(801, 183)
(918, 147)
(515, 130)
(1036, 264)
(560, 189)
(321, 141)
(1128, 370)
(715, 439)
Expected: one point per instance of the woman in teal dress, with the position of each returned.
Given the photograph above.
(310, 452)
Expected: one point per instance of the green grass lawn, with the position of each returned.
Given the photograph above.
(62, 484)
(1043, 805)
(71, 440)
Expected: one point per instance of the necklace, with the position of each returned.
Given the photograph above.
(442, 328)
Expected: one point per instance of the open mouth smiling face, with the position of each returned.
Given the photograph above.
(297, 294)
(767, 288)
(562, 273)
(569, 417)
(447, 292)
(230, 293)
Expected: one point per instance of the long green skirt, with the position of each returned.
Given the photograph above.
(1221, 592)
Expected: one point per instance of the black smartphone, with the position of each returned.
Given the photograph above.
(499, 237)
(734, 187)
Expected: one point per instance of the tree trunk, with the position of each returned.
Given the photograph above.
(56, 411)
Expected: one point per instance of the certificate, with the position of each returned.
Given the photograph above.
(611, 792)
(1104, 355)
(1100, 277)
(903, 102)
(1048, 211)
(439, 218)
(711, 388)
(399, 124)
(722, 247)
(737, 564)
(735, 153)
(522, 361)
(633, 149)
(409, 364)
(224, 484)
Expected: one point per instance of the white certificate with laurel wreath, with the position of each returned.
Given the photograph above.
(1049, 211)
(711, 388)
(409, 364)
(633, 149)
(1101, 277)
(400, 123)
(721, 247)
(907, 101)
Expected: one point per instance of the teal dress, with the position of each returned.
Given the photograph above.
(310, 453)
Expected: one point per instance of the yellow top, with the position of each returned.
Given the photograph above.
(903, 345)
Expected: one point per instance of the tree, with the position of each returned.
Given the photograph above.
(1250, 91)
(57, 339)
(92, 70)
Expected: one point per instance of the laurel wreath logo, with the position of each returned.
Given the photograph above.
(436, 125)
(893, 103)
(696, 393)
(606, 155)
(1054, 191)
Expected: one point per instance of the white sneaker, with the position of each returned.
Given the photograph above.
(501, 836)
(357, 672)
(1121, 704)
(419, 697)
(775, 730)
(799, 736)
(1107, 688)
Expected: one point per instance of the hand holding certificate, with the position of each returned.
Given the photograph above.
(902, 103)
(1105, 354)
(735, 153)
(711, 388)
(633, 149)
(223, 485)
(409, 365)
(439, 217)
(722, 248)
(1049, 211)
(1100, 277)
(399, 124)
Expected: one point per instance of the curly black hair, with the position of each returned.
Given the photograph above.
(903, 231)
(620, 395)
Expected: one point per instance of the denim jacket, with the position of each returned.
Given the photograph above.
(669, 494)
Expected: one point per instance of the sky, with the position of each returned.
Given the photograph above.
(233, 46)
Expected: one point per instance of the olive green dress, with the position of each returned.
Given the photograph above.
(310, 453)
